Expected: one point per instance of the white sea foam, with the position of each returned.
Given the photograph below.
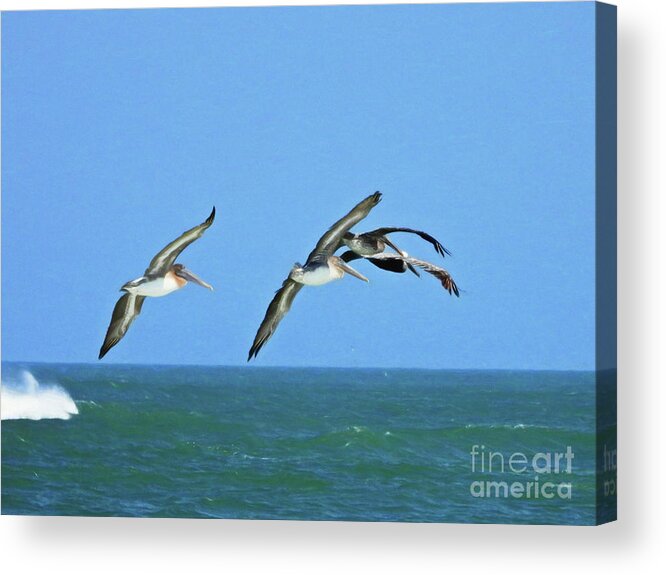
(28, 399)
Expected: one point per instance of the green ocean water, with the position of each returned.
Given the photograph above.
(287, 443)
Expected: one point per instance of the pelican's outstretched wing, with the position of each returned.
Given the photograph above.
(439, 248)
(124, 313)
(396, 265)
(440, 273)
(277, 309)
(330, 241)
(161, 263)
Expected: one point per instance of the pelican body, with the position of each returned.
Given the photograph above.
(375, 242)
(160, 285)
(364, 245)
(322, 271)
(162, 277)
(371, 246)
(320, 268)
(157, 287)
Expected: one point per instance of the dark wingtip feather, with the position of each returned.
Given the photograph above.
(106, 346)
(441, 250)
(211, 218)
(104, 350)
(254, 350)
(449, 285)
(455, 288)
(413, 270)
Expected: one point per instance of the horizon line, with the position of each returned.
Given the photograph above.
(252, 366)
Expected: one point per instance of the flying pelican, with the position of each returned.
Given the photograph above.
(162, 277)
(403, 260)
(375, 242)
(320, 268)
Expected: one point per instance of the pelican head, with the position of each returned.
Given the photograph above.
(344, 268)
(181, 271)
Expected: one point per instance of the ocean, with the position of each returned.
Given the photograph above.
(291, 443)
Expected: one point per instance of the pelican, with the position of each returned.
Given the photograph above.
(162, 277)
(403, 260)
(320, 268)
(375, 242)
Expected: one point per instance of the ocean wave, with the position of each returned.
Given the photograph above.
(501, 426)
(28, 399)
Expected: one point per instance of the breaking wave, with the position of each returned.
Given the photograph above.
(28, 399)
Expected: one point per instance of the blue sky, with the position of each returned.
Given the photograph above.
(121, 129)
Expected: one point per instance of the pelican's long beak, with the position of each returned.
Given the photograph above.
(190, 277)
(351, 271)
